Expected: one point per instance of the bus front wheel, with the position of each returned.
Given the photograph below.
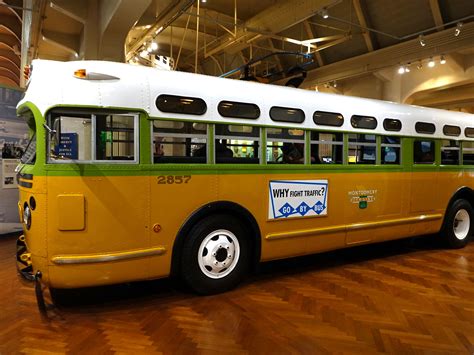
(215, 255)
(458, 224)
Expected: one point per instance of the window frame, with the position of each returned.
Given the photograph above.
(462, 150)
(268, 139)
(448, 148)
(209, 156)
(331, 143)
(93, 117)
(374, 144)
(391, 145)
(219, 136)
(422, 139)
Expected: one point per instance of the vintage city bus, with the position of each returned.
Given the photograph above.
(135, 173)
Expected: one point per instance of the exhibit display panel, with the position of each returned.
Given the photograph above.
(13, 140)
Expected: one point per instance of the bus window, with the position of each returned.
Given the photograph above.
(115, 137)
(326, 148)
(454, 131)
(285, 146)
(423, 152)
(179, 142)
(365, 122)
(425, 127)
(181, 104)
(362, 149)
(236, 144)
(392, 124)
(468, 153)
(238, 109)
(469, 132)
(286, 114)
(390, 150)
(449, 152)
(29, 156)
(328, 118)
(75, 140)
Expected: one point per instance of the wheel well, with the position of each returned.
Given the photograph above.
(465, 193)
(218, 207)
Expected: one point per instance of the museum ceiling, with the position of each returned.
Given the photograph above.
(325, 40)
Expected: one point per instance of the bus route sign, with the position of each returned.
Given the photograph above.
(297, 198)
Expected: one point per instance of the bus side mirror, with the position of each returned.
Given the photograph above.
(54, 132)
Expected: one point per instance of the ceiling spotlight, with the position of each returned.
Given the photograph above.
(203, 1)
(457, 31)
(334, 84)
(407, 68)
(324, 13)
(421, 38)
(401, 70)
(442, 60)
(154, 45)
(431, 63)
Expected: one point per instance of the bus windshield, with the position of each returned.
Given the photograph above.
(29, 156)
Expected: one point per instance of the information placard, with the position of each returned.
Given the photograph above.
(297, 198)
(8, 173)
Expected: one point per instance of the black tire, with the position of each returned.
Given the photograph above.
(457, 228)
(218, 267)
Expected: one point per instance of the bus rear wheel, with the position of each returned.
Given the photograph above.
(458, 224)
(215, 255)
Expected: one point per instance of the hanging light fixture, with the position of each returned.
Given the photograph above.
(457, 31)
(442, 60)
(324, 13)
(421, 38)
(154, 45)
(431, 63)
(401, 70)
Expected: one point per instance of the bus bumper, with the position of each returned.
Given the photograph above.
(23, 259)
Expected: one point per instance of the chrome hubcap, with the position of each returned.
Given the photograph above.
(218, 254)
(461, 224)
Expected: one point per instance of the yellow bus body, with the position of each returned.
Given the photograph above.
(122, 212)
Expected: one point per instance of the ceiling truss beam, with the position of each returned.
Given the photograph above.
(437, 43)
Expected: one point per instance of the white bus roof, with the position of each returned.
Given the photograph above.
(53, 84)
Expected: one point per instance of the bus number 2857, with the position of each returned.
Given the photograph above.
(174, 179)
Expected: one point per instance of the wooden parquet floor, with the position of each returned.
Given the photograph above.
(403, 297)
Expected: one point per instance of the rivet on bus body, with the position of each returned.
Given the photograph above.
(156, 228)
